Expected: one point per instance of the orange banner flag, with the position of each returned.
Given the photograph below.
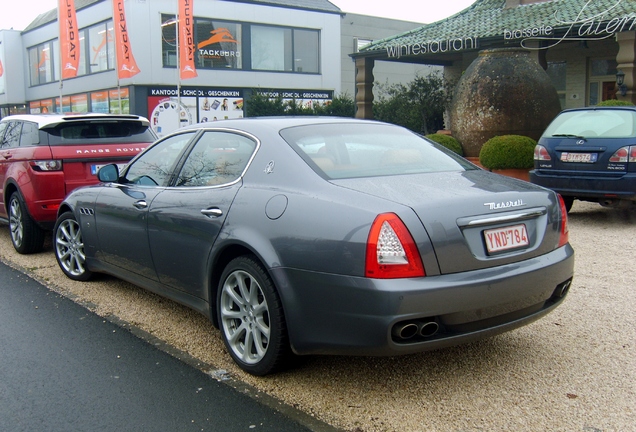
(126, 64)
(69, 38)
(187, 68)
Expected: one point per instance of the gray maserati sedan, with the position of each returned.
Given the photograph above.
(300, 236)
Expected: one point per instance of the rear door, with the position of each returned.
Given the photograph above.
(185, 220)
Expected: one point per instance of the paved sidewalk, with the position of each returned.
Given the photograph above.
(63, 368)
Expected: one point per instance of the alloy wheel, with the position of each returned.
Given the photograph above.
(69, 248)
(16, 225)
(245, 317)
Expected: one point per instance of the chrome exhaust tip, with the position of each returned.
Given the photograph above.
(428, 329)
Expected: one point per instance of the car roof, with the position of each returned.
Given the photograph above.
(47, 120)
(274, 123)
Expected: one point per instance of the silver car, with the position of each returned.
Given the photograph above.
(322, 236)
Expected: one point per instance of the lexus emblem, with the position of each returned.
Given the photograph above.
(580, 142)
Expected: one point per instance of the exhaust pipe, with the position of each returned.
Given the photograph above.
(405, 331)
(562, 289)
(428, 329)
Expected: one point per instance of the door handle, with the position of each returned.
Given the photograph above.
(212, 212)
(141, 204)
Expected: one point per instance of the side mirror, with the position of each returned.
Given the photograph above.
(108, 173)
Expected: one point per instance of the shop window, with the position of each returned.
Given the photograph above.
(41, 64)
(169, 40)
(101, 48)
(218, 44)
(602, 80)
(306, 48)
(557, 73)
(285, 49)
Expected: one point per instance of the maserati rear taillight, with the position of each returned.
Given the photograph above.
(565, 230)
(391, 250)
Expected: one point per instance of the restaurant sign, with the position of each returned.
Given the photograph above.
(587, 25)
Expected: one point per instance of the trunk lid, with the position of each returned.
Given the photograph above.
(474, 219)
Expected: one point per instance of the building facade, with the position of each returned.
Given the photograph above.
(582, 44)
(296, 49)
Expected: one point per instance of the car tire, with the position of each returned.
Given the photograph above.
(251, 317)
(27, 237)
(69, 248)
(568, 201)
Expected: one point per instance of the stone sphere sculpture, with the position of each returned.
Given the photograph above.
(503, 92)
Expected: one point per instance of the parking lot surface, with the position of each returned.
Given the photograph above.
(574, 370)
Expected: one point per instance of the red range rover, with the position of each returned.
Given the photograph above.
(44, 157)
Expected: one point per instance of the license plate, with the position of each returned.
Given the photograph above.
(579, 157)
(502, 239)
(95, 168)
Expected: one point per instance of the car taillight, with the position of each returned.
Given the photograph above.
(541, 153)
(47, 165)
(391, 250)
(565, 230)
(632, 154)
(621, 155)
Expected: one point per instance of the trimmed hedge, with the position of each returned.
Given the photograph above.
(447, 141)
(614, 102)
(508, 152)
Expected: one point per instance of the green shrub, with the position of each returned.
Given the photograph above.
(447, 141)
(260, 104)
(614, 102)
(508, 152)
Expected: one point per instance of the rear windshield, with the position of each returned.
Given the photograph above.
(363, 150)
(602, 123)
(100, 132)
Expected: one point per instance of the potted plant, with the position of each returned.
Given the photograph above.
(511, 155)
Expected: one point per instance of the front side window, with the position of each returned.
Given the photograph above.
(217, 158)
(30, 134)
(12, 135)
(155, 166)
(3, 128)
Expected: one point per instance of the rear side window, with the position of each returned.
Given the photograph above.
(100, 132)
(365, 150)
(217, 158)
(599, 123)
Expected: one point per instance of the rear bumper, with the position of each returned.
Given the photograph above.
(588, 186)
(333, 314)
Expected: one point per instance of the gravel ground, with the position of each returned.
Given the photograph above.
(574, 370)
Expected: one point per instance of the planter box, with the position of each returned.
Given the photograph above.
(521, 174)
